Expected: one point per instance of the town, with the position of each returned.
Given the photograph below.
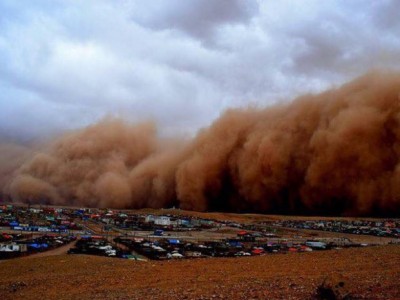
(173, 234)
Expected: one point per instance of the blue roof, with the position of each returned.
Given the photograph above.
(235, 243)
(173, 241)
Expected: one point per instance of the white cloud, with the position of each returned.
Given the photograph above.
(68, 63)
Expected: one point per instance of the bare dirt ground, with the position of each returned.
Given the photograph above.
(321, 235)
(236, 217)
(365, 273)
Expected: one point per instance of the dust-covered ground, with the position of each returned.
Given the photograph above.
(366, 273)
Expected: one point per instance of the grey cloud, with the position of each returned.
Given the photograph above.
(339, 39)
(199, 18)
(386, 14)
(180, 63)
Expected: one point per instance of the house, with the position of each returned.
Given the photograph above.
(149, 219)
(176, 222)
(162, 221)
(246, 236)
(13, 248)
(158, 232)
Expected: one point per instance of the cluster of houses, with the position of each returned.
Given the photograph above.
(28, 230)
(27, 246)
(58, 220)
(245, 244)
(145, 222)
(386, 228)
(54, 227)
(95, 245)
(152, 222)
(11, 237)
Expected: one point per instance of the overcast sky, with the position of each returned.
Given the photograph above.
(65, 64)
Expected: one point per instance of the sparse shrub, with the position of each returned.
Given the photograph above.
(326, 291)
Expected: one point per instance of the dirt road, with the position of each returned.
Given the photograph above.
(57, 251)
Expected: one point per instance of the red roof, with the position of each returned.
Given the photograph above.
(257, 251)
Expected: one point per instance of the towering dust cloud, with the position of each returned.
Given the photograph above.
(333, 153)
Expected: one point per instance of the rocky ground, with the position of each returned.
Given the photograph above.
(362, 273)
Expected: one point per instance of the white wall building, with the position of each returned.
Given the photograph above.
(162, 220)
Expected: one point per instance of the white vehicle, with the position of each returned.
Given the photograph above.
(108, 247)
(306, 249)
(242, 253)
(316, 245)
(111, 252)
(158, 248)
(196, 254)
(176, 255)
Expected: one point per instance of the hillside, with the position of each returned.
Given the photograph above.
(364, 273)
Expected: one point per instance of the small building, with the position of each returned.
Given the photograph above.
(149, 219)
(13, 248)
(174, 241)
(158, 232)
(162, 221)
